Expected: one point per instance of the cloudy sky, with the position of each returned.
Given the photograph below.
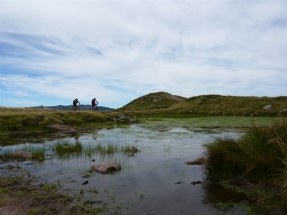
(117, 50)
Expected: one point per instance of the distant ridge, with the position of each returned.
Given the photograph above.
(70, 107)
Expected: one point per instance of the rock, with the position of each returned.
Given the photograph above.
(107, 167)
(285, 109)
(266, 107)
(63, 128)
(24, 154)
(134, 149)
(198, 161)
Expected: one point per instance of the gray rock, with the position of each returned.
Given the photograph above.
(266, 107)
(106, 167)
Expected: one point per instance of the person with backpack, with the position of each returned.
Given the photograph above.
(94, 104)
(75, 104)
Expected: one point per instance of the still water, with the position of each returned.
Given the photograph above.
(154, 181)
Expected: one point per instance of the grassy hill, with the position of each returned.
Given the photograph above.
(153, 101)
(165, 103)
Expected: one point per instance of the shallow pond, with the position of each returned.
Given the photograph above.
(154, 181)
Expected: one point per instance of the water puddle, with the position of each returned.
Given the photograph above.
(153, 181)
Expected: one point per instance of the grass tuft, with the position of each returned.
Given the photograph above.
(257, 155)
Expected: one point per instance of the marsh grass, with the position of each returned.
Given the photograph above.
(107, 149)
(257, 155)
(65, 147)
(38, 153)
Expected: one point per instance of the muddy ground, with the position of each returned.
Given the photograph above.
(19, 195)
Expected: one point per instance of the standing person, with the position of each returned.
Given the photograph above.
(75, 102)
(94, 104)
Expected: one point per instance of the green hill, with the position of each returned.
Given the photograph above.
(153, 101)
(233, 105)
(165, 103)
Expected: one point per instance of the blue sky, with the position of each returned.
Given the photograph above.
(54, 51)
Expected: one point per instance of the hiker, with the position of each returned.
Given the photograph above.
(94, 104)
(75, 102)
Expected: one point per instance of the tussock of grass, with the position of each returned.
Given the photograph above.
(108, 149)
(257, 155)
(67, 148)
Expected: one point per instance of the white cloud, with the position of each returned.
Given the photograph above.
(120, 50)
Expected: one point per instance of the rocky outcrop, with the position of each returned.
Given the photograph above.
(62, 128)
(198, 161)
(106, 167)
(23, 154)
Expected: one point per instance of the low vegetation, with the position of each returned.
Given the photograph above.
(29, 122)
(168, 105)
(259, 157)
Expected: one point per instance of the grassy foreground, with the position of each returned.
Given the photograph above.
(259, 157)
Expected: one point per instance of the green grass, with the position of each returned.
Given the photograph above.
(19, 119)
(64, 147)
(107, 149)
(257, 155)
(205, 105)
(38, 153)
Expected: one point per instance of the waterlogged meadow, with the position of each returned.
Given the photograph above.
(155, 180)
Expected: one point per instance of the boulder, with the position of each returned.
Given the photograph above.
(198, 161)
(24, 154)
(106, 167)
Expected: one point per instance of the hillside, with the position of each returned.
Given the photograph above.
(233, 105)
(162, 102)
(153, 101)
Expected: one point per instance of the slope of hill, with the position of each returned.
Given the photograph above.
(161, 102)
(233, 105)
(153, 101)
(70, 107)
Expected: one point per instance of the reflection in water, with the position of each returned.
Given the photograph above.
(147, 183)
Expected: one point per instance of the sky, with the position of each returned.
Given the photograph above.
(53, 51)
